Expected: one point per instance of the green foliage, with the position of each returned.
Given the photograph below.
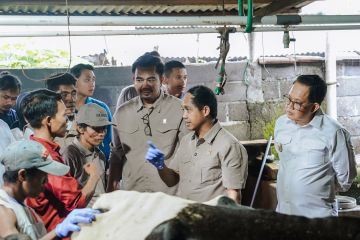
(20, 55)
(269, 127)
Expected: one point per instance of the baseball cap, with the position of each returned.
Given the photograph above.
(27, 154)
(92, 114)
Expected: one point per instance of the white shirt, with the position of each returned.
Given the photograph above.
(27, 221)
(316, 160)
(6, 137)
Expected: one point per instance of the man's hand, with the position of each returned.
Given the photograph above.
(155, 156)
(92, 169)
(69, 225)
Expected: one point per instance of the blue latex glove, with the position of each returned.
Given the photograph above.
(155, 156)
(69, 225)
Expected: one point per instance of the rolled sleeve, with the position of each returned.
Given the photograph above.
(234, 167)
(343, 160)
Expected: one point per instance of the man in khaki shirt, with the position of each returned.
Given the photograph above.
(209, 161)
(154, 116)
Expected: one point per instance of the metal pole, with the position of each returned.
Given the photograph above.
(312, 19)
(10, 20)
(158, 31)
(330, 76)
(261, 171)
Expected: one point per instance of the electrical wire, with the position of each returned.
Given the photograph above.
(263, 53)
(295, 60)
(70, 51)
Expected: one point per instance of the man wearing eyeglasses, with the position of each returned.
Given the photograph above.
(316, 154)
(10, 87)
(64, 84)
(154, 116)
(91, 123)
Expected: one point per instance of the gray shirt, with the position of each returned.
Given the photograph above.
(316, 160)
(134, 123)
(210, 165)
(76, 156)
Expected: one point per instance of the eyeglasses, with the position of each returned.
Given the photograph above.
(146, 121)
(296, 105)
(102, 129)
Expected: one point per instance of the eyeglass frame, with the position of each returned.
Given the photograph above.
(288, 101)
(146, 121)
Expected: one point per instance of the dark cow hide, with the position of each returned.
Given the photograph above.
(231, 221)
(157, 216)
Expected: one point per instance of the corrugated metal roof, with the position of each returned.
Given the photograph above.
(139, 7)
(114, 9)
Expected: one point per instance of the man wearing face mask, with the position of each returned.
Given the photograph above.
(64, 84)
(316, 154)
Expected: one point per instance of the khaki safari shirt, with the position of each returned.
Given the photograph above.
(129, 145)
(76, 156)
(210, 165)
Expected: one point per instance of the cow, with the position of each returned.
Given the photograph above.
(129, 215)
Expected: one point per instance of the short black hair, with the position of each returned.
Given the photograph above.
(317, 86)
(78, 68)
(170, 65)
(149, 60)
(19, 110)
(9, 82)
(39, 104)
(204, 96)
(12, 176)
(54, 81)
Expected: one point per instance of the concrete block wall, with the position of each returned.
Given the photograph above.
(348, 97)
(253, 93)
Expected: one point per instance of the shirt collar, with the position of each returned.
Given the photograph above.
(315, 122)
(88, 100)
(50, 145)
(211, 134)
(82, 149)
(156, 104)
(317, 119)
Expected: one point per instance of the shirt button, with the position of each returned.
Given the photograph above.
(195, 154)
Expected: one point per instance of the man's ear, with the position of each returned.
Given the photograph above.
(206, 111)
(22, 175)
(46, 121)
(81, 130)
(315, 107)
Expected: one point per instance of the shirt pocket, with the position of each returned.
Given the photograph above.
(167, 134)
(315, 151)
(282, 146)
(128, 127)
